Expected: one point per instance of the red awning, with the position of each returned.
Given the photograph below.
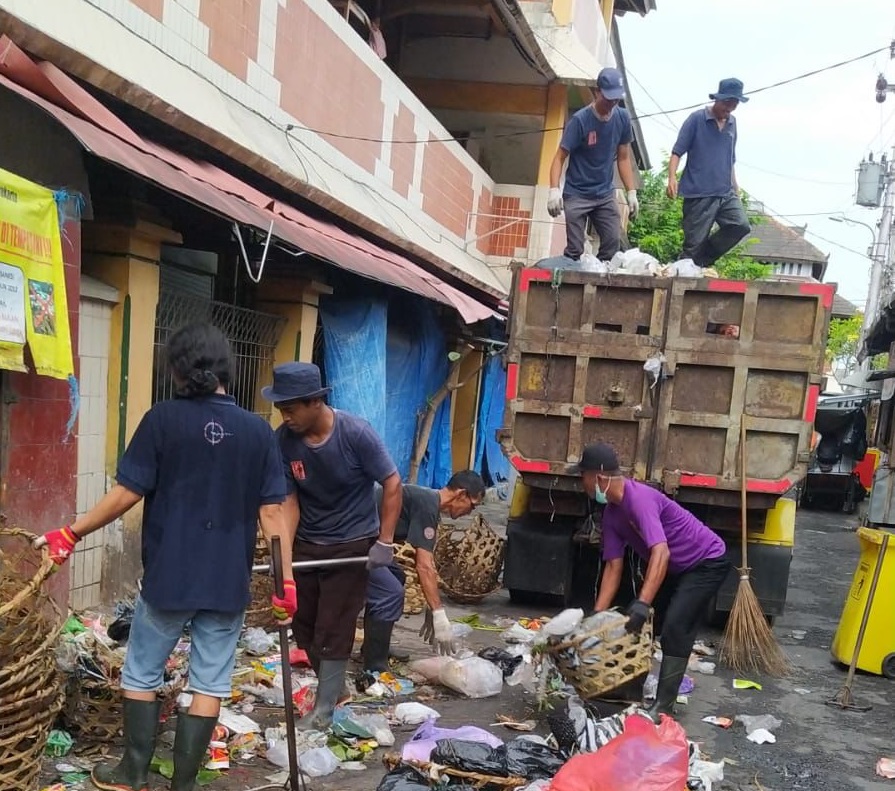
(213, 188)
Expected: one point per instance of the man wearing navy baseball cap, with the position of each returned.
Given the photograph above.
(709, 185)
(595, 138)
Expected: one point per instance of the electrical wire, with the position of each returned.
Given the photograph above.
(520, 133)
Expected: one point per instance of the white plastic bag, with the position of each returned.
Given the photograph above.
(257, 641)
(412, 713)
(474, 677)
(318, 762)
(685, 268)
(636, 262)
(518, 634)
(564, 623)
(377, 724)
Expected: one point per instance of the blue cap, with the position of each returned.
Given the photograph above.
(731, 88)
(611, 83)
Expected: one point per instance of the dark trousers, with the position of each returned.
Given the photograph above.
(606, 220)
(682, 604)
(700, 214)
(385, 593)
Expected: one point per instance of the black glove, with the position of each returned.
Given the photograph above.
(638, 612)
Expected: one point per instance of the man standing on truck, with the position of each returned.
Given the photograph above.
(709, 185)
(684, 558)
(594, 139)
(332, 459)
(421, 508)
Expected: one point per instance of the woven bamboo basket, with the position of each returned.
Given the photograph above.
(30, 695)
(469, 561)
(414, 600)
(259, 613)
(606, 663)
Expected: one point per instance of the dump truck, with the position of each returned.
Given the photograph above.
(664, 370)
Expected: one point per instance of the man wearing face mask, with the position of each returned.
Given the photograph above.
(683, 556)
(595, 138)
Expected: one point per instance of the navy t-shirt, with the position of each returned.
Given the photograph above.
(204, 466)
(711, 155)
(334, 480)
(420, 514)
(593, 148)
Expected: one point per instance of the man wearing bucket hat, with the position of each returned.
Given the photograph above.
(709, 187)
(206, 470)
(594, 139)
(421, 509)
(332, 459)
(686, 561)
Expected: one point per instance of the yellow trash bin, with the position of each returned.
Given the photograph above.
(878, 650)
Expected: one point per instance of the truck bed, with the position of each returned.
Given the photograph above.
(577, 346)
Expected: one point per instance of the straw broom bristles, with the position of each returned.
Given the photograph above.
(749, 644)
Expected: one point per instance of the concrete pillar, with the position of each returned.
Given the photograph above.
(125, 255)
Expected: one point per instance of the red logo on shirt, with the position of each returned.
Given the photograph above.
(592, 138)
(298, 470)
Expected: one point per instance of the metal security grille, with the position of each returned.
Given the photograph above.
(252, 337)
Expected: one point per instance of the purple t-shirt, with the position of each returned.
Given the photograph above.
(646, 517)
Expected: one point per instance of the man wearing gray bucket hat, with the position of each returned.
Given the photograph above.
(332, 459)
(709, 187)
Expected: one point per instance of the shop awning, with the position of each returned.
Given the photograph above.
(220, 192)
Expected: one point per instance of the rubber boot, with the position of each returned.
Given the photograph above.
(671, 673)
(190, 747)
(131, 773)
(377, 641)
(330, 682)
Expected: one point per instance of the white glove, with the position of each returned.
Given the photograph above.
(444, 633)
(633, 203)
(554, 202)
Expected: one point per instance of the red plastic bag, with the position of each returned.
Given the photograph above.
(645, 757)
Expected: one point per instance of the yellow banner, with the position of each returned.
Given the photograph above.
(33, 306)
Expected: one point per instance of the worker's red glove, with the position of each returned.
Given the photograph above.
(61, 544)
(284, 609)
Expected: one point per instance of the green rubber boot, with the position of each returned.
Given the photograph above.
(131, 773)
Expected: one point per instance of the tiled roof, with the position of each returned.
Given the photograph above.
(779, 243)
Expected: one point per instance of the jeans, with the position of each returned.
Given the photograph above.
(700, 214)
(607, 222)
(385, 594)
(683, 602)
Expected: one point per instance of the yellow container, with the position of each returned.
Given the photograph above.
(877, 653)
(779, 525)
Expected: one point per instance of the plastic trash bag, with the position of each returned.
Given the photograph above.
(507, 663)
(257, 642)
(406, 778)
(474, 677)
(318, 762)
(564, 623)
(413, 713)
(468, 756)
(645, 757)
(377, 724)
(684, 268)
(421, 744)
(531, 760)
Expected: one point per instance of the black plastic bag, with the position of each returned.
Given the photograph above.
(533, 761)
(470, 757)
(404, 778)
(504, 660)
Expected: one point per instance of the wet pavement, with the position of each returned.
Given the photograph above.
(818, 748)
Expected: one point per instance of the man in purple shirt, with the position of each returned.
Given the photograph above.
(681, 553)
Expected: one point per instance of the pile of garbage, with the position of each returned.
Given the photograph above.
(629, 262)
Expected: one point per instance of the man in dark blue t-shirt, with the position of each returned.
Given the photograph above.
(595, 138)
(709, 188)
(331, 459)
(206, 470)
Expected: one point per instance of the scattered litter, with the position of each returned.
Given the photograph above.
(802, 691)
(471, 675)
(59, 743)
(745, 683)
(237, 723)
(318, 762)
(461, 631)
(353, 766)
(798, 634)
(885, 767)
(377, 726)
(513, 725)
(414, 713)
(721, 722)
(650, 687)
(475, 621)
(703, 649)
(507, 663)
(706, 774)
(765, 722)
(518, 634)
(762, 736)
(257, 642)
(423, 741)
(706, 668)
(687, 686)
(564, 623)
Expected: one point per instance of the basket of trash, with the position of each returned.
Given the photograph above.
(469, 561)
(600, 655)
(414, 600)
(258, 613)
(29, 682)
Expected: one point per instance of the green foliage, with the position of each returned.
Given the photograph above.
(658, 230)
(880, 362)
(843, 339)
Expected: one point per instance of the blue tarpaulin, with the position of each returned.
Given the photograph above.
(490, 461)
(385, 366)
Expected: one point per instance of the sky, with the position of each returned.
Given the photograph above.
(799, 145)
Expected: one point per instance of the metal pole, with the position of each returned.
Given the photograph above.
(315, 564)
(879, 255)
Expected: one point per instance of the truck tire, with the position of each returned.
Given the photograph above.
(888, 668)
(851, 498)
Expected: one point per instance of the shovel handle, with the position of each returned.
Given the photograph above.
(276, 562)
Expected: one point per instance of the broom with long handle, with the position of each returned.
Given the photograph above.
(749, 644)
